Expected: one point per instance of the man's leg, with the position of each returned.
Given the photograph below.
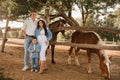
(26, 54)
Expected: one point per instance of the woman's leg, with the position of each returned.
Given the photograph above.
(43, 57)
(41, 67)
(45, 65)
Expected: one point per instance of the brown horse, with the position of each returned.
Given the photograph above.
(56, 24)
(90, 38)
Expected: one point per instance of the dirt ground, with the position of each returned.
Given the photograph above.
(11, 63)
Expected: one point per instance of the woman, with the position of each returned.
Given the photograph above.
(43, 35)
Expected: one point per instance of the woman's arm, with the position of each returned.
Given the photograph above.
(49, 36)
(38, 48)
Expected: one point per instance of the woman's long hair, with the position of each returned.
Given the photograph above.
(44, 26)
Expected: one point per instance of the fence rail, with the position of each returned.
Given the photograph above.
(106, 46)
(75, 44)
(85, 28)
(105, 29)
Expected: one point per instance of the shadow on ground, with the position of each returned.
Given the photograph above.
(2, 76)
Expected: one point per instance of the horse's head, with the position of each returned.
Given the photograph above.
(62, 23)
(57, 24)
(105, 64)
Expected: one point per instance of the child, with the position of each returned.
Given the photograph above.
(34, 50)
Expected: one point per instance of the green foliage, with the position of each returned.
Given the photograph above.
(96, 7)
(15, 34)
(109, 36)
(116, 17)
(60, 37)
(15, 9)
(20, 35)
(68, 35)
(108, 22)
(90, 20)
(7, 6)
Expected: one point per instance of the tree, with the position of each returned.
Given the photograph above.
(14, 9)
(116, 17)
(6, 7)
(96, 7)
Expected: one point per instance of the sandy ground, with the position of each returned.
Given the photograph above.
(11, 63)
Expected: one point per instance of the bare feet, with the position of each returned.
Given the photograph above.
(46, 69)
(40, 72)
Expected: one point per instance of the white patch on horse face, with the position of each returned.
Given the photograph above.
(108, 66)
(107, 61)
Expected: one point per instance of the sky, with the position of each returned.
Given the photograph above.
(12, 24)
(76, 12)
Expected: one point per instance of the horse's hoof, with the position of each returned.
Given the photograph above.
(53, 62)
(69, 63)
(78, 64)
(107, 78)
(89, 71)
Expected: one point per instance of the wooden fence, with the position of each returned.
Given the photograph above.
(117, 47)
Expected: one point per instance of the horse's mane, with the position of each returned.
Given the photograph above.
(95, 34)
(53, 23)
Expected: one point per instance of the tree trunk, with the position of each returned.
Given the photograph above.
(4, 36)
(71, 21)
(69, 14)
(47, 17)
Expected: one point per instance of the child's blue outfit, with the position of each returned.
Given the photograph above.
(34, 55)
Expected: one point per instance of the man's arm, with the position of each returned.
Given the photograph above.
(24, 33)
(24, 28)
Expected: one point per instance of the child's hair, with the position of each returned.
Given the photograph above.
(33, 37)
(33, 11)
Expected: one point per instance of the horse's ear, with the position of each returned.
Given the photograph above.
(60, 19)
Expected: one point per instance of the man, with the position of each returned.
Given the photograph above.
(28, 30)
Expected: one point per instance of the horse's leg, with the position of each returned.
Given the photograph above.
(69, 57)
(47, 49)
(76, 57)
(52, 51)
(89, 61)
